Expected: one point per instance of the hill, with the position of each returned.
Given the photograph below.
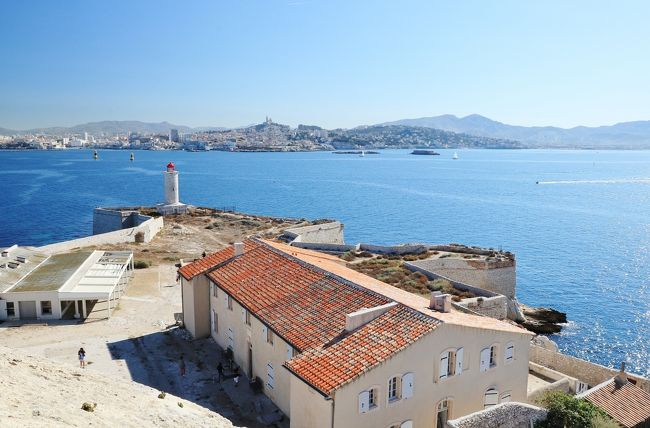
(110, 127)
(44, 394)
(620, 135)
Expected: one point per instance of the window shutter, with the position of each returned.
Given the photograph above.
(243, 315)
(407, 385)
(505, 398)
(211, 288)
(364, 400)
(270, 381)
(212, 320)
(289, 352)
(406, 424)
(459, 361)
(491, 398)
(485, 360)
(444, 365)
(510, 352)
(231, 339)
(264, 332)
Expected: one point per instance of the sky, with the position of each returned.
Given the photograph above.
(323, 62)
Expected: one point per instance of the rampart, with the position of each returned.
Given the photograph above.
(323, 233)
(504, 415)
(149, 228)
(112, 219)
(585, 371)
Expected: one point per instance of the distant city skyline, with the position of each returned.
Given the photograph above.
(326, 63)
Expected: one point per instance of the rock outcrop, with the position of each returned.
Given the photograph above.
(543, 320)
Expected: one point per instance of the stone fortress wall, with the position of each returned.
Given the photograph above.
(505, 415)
(111, 222)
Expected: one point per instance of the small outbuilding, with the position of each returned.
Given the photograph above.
(38, 286)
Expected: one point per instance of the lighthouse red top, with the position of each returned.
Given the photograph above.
(170, 166)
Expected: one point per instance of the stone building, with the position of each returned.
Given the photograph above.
(335, 348)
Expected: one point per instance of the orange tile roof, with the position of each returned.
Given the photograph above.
(304, 305)
(337, 266)
(627, 404)
(206, 263)
(332, 366)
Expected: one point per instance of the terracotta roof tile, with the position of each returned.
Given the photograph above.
(206, 263)
(334, 365)
(628, 404)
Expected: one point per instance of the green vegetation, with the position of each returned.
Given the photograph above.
(162, 395)
(391, 270)
(141, 264)
(88, 407)
(567, 411)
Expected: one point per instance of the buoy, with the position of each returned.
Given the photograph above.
(132, 157)
(95, 155)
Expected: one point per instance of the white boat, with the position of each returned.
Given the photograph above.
(455, 156)
(362, 153)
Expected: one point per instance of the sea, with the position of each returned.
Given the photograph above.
(577, 221)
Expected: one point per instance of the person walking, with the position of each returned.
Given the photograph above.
(181, 366)
(82, 358)
(220, 371)
(236, 377)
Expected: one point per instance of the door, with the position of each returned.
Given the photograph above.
(27, 310)
(250, 361)
(442, 414)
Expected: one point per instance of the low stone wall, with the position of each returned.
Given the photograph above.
(412, 266)
(324, 233)
(501, 280)
(505, 415)
(563, 385)
(394, 249)
(149, 228)
(326, 248)
(112, 219)
(493, 307)
(585, 371)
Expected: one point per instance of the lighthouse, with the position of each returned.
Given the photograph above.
(172, 203)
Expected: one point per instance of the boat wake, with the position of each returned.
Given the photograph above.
(618, 181)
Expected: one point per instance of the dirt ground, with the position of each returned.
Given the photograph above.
(140, 342)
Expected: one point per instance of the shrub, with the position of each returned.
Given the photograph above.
(162, 395)
(139, 237)
(348, 256)
(88, 407)
(141, 264)
(180, 404)
(567, 411)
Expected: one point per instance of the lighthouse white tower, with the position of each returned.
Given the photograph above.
(172, 203)
(171, 185)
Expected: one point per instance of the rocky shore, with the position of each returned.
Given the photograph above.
(542, 320)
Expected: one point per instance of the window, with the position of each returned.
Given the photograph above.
(248, 317)
(11, 310)
(505, 398)
(488, 358)
(230, 302)
(394, 388)
(372, 398)
(231, 339)
(46, 307)
(215, 289)
(407, 424)
(368, 399)
(451, 363)
(443, 411)
(291, 352)
(269, 336)
(509, 354)
(493, 356)
(491, 398)
(214, 320)
(270, 381)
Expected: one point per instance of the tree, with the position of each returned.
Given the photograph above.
(567, 411)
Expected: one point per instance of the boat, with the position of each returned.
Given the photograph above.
(132, 156)
(362, 154)
(424, 152)
(95, 155)
(455, 156)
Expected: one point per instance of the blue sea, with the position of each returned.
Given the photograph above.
(578, 221)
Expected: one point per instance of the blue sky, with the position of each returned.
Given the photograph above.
(326, 62)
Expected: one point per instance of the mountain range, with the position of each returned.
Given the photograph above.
(628, 135)
(621, 135)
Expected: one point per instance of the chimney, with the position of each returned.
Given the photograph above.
(363, 316)
(440, 302)
(239, 248)
(621, 379)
